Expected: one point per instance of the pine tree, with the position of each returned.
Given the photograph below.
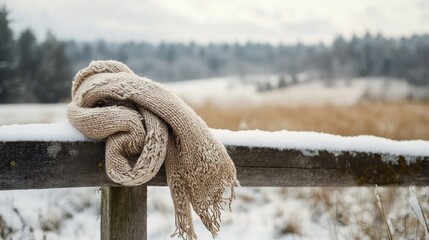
(54, 74)
(6, 56)
(27, 64)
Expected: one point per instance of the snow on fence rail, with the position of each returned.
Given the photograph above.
(57, 155)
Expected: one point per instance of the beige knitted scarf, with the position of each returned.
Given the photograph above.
(144, 125)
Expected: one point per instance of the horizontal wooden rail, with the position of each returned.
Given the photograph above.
(37, 165)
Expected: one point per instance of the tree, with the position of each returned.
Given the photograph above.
(27, 64)
(121, 54)
(54, 74)
(102, 51)
(6, 56)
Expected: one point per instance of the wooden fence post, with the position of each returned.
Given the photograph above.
(123, 213)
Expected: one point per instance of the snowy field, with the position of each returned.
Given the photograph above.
(236, 91)
(258, 213)
(265, 90)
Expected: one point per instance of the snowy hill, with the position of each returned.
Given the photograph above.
(259, 90)
(265, 89)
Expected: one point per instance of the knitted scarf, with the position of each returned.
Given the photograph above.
(144, 125)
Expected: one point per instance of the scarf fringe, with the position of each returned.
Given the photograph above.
(210, 211)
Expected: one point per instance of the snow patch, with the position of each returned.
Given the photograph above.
(41, 132)
(309, 142)
(310, 152)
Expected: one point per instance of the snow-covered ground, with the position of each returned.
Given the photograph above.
(50, 214)
(258, 213)
(236, 91)
(244, 90)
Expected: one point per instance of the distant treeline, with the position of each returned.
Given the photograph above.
(32, 71)
(358, 57)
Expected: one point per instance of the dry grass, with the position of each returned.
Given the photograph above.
(356, 208)
(406, 120)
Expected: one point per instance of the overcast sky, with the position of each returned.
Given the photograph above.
(286, 21)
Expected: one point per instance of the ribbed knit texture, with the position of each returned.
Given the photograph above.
(144, 125)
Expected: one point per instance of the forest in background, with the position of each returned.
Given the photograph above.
(41, 71)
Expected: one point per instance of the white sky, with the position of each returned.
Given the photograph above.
(272, 21)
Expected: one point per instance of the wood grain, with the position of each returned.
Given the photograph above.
(123, 213)
(36, 165)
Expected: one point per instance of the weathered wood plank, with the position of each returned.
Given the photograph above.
(123, 213)
(35, 165)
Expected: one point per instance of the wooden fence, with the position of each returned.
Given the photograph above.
(38, 165)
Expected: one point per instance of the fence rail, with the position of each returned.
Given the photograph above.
(38, 165)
